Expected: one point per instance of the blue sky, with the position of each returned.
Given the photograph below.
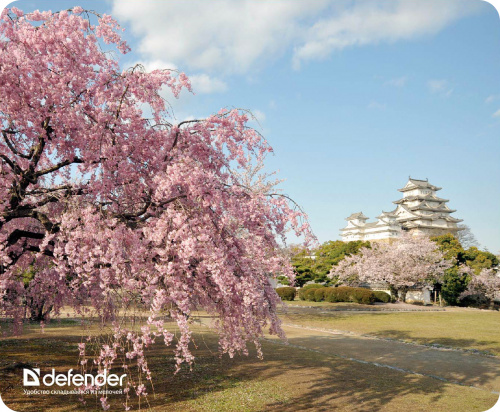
(354, 96)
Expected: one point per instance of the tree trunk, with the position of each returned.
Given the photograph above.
(37, 313)
(394, 293)
(403, 293)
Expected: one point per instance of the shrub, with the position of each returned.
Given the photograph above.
(328, 291)
(454, 283)
(340, 294)
(320, 294)
(361, 295)
(381, 296)
(286, 293)
(331, 295)
(309, 294)
(476, 301)
(313, 286)
(305, 288)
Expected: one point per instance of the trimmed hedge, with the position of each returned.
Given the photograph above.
(305, 288)
(319, 294)
(364, 296)
(309, 295)
(339, 294)
(286, 293)
(381, 296)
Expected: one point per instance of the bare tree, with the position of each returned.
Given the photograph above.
(466, 237)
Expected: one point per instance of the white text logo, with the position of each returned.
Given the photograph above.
(32, 378)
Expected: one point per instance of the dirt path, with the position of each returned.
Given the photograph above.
(452, 366)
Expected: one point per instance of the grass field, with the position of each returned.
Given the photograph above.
(287, 379)
(458, 328)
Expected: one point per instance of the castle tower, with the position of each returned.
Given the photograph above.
(420, 211)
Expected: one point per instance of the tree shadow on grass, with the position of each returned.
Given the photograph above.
(310, 381)
(450, 365)
(306, 380)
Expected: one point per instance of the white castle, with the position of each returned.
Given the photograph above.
(420, 211)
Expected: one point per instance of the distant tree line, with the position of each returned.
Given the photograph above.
(313, 265)
(464, 263)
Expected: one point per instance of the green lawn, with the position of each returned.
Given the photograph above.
(460, 328)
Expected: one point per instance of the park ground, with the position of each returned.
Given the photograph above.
(338, 357)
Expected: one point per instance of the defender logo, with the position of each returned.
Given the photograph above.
(33, 374)
(32, 378)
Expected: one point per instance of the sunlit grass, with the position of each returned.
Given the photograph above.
(475, 329)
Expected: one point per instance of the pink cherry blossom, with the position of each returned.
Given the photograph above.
(487, 284)
(403, 263)
(116, 206)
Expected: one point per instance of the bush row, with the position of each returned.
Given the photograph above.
(339, 294)
(305, 288)
(320, 293)
(286, 293)
(381, 296)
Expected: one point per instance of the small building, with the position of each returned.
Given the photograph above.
(419, 211)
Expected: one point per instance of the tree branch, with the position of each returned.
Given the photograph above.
(11, 145)
(12, 164)
(58, 166)
(176, 139)
(18, 234)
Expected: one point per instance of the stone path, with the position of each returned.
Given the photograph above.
(453, 366)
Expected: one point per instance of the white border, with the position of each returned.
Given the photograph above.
(5, 3)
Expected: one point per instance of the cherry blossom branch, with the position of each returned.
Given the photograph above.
(11, 145)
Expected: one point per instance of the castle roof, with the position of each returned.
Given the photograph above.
(390, 214)
(413, 225)
(358, 215)
(418, 184)
(442, 208)
(438, 214)
(434, 216)
(428, 197)
(371, 224)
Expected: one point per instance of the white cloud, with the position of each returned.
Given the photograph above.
(436, 85)
(397, 82)
(259, 115)
(215, 35)
(496, 114)
(374, 105)
(236, 36)
(375, 21)
(204, 84)
(156, 64)
(440, 86)
(492, 98)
